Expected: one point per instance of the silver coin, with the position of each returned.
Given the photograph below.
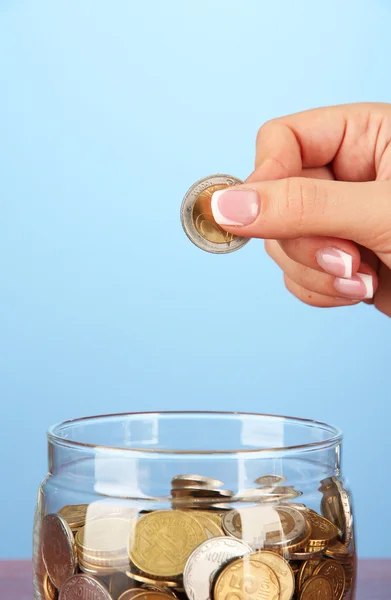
(197, 218)
(205, 560)
(267, 480)
(200, 492)
(181, 481)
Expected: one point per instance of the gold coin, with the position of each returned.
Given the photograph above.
(316, 588)
(130, 594)
(145, 595)
(334, 573)
(197, 217)
(143, 578)
(162, 541)
(104, 536)
(306, 571)
(50, 592)
(158, 588)
(74, 514)
(338, 550)
(248, 578)
(283, 571)
(323, 532)
(211, 527)
(183, 481)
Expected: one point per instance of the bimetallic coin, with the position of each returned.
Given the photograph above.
(316, 588)
(249, 578)
(58, 549)
(74, 514)
(162, 541)
(197, 218)
(323, 532)
(269, 480)
(291, 532)
(50, 592)
(283, 571)
(180, 481)
(82, 586)
(335, 575)
(205, 560)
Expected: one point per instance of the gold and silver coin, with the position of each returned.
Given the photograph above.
(205, 560)
(197, 218)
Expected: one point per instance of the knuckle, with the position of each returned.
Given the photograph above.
(265, 128)
(303, 199)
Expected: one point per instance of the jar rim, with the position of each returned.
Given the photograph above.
(333, 439)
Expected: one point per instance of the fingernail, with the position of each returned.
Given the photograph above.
(360, 286)
(235, 207)
(334, 261)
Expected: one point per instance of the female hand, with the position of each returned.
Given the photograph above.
(320, 196)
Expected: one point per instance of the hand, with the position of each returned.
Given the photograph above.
(320, 197)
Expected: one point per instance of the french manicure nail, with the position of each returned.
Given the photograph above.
(334, 261)
(235, 207)
(360, 286)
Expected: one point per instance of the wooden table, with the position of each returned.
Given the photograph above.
(374, 580)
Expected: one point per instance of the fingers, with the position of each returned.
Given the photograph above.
(340, 258)
(350, 137)
(302, 207)
(360, 286)
(314, 299)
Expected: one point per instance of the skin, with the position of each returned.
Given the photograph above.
(324, 180)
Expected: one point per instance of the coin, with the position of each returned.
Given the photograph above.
(200, 492)
(197, 480)
(306, 571)
(74, 514)
(317, 588)
(267, 480)
(162, 541)
(130, 594)
(249, 578)
(291, 532)
(145, 595)
(211, 527)
(50, 592)
(104, 537)
(334, 573)
(58, 550)
(311, 554)
(338, 550)
(205, 560)
(336, 507)
(142, 578)
(283, 571)
(82, 586)
(158, 588)
(323, 531)
(119, 583)
(197, 218)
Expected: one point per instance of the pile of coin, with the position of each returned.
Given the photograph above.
(203, 548)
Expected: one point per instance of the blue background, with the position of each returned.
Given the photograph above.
(109, 111)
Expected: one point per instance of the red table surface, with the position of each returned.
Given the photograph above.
(374, 580)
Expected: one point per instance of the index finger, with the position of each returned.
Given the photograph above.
(346, 136)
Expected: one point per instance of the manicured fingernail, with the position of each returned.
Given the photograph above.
(334, 261)
(360, 286)
(235, 207)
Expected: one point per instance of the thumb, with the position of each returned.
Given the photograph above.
(299, 207)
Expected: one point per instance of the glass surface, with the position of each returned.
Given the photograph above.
(226, 506)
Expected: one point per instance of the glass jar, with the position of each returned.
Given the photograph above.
(194, 505)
